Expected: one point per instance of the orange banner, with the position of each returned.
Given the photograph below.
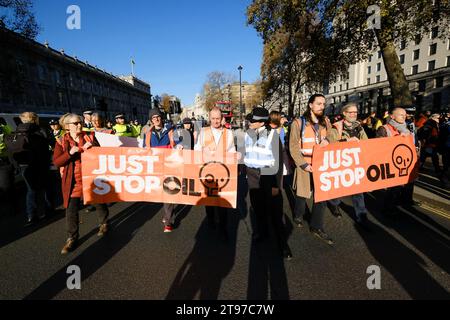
(347, 168)
(159, 175)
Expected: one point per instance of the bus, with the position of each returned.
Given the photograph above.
(227, 111)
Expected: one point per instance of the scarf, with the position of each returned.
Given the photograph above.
(402, 128)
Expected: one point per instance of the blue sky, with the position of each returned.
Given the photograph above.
(175, 43)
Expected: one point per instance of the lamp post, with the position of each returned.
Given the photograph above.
(240, 95)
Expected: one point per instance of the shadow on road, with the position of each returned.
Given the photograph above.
(407, 267)
(125, 224)
(210, 261)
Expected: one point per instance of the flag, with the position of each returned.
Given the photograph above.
(132, 61)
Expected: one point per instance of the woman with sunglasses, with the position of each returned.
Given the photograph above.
(68, 156)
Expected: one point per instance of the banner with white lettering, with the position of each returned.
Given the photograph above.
(159, 175)
(347, 168)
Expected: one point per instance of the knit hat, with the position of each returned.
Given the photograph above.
(154, 112)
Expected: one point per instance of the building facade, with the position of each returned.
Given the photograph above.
(34, 77)
(426, 65)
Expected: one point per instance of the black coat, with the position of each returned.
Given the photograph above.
(39, 145)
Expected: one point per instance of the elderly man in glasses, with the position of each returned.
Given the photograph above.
(349, 129)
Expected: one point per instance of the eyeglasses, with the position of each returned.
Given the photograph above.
(352, 112)
(76, 123)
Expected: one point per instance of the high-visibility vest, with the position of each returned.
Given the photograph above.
(259, 153)
(309, 138)
(210, 143)
(123, 130)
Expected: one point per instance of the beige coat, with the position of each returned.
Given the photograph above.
(302, 178)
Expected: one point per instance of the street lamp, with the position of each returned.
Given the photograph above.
(240, 95)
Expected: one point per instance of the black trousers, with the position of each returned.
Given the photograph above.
(222, 217)
(268, 210)
(73, 217)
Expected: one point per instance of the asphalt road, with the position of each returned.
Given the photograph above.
(138, 261)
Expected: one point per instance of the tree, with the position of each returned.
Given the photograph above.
(212, 89)
(18, 16)
(330, 35)
(165, 102)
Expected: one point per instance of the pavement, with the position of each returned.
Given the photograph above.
(136, 260)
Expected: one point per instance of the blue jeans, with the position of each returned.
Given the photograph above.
(358, 204)
(34, 194)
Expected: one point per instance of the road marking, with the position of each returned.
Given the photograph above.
(435, 211)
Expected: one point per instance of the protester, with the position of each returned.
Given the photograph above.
(429, 137)
(98, 124)
(185, 136)
(444, 149)
(68, 156)
(396, 126)
(349, 129)
(219, 140)
(29, 151)
(306, 132)
(161, 136)
(263, 160)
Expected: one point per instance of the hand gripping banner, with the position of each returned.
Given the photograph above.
(159, 175)
(347, 168)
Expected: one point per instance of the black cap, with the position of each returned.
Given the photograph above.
(187, 121)
(260, 115)
(90, 112)
(120, 115)
(53, 121)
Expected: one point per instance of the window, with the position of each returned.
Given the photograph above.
(415, 69)
(433, 49)
(334, 89)
(417, 39)
(368, 81)
(439, 82)
(348, 76)
(340, 87)
(347, 86)
(57, 77)
(369, 70)
(422, 85)
(378, 66)
(402, 45)
(434, 33)
(437, 99)
(378, 78)
(379, 54)
(402, 59)
(416, 54)
(431, 65)
(370, 58)
(41, 72)
(448, 61)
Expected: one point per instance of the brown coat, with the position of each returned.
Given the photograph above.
(63, 159)
(302, 178)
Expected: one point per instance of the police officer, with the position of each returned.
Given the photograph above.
(122, 129)
(263, 161)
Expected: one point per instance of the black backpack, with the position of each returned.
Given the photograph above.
(19, 148)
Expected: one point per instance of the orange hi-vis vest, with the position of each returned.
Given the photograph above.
(391, 131)
(210, 143)
(309, 138)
